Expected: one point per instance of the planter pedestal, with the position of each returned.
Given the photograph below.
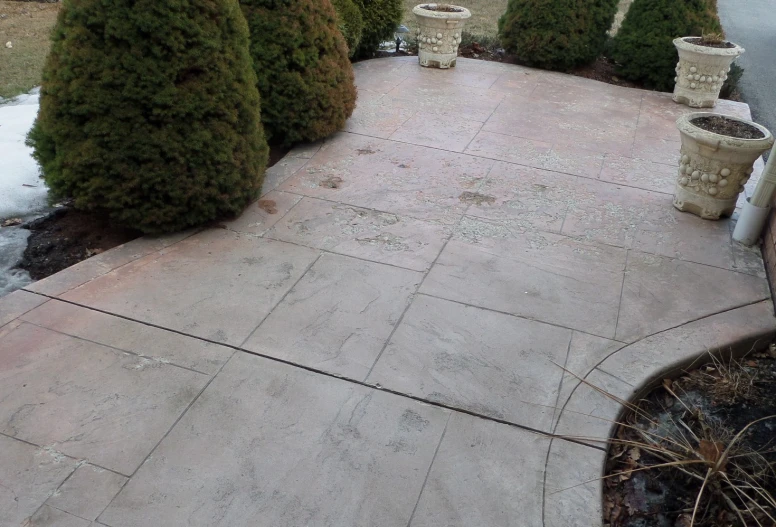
(701, 72)
(439, 34)
(714, 168)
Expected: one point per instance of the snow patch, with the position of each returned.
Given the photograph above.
(21, 190)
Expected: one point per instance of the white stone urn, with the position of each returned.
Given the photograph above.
(714, 168)
(439, 33)
(701, 71)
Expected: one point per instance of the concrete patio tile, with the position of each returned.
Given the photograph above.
(485, 362)
(376, 117)
(176, 290)
(437, 131)
(87, 492)
(593, 408)
(635, 218)
(51, 517)
(657, 150)
(667, 353)
(28, 475)
(424, 95)
(261, 215)
(529, 195)
(282, 170)
(362, 233)
(543, 276)
(103, 263)
(661, 293)
(466, 76)
(747, 260)
(393, 177)
(485, 473)
(268, 445)
(585, 353)
(15, 304)
(639, 173)
(86, 400)
(338, 317)
(509, 148)
(687, 237)
(572, 493)
(574, 159)
(305, 150)
(568, 159)
(519, 80)
(140, 339)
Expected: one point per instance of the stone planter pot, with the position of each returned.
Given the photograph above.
(714, 168)
(701, 71)
(439, 34)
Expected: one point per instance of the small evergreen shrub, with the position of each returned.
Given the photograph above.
(381, 18)
(556, 34)
(644, 49)
(149, 112)
(351, 23)
(305, 78)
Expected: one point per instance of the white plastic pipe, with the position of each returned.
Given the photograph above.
(750, 224)
(752, 220)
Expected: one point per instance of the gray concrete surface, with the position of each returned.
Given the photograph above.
(752, 23)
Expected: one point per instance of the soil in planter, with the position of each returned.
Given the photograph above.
(698, 41)
(442, 8)
(693, 420)
(729, 127)
(67, 236)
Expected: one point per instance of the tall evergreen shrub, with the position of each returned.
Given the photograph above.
(643, 48)
(556, 34)
(351, 23)
(305, 78)
(381, 18)
(149, 111)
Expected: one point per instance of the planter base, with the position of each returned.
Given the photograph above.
(693, 102)
(706, 207)
(431, 60)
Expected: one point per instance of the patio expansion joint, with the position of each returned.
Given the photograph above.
(170, 429)
(309, 369)
(79, 462)
(428, 472)
(121, 350)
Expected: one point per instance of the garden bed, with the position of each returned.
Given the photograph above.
(711, 431)
(67, 236)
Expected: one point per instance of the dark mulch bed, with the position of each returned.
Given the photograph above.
(67, 236)
(698, 417)
(730, 127)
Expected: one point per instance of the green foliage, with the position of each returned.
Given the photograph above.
(644, 48)
(556, 34)
(381, 18)
(150, 113)
(731, 86)
(351, 23)
(305, 78)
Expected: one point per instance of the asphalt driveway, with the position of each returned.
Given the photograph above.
(752, 23)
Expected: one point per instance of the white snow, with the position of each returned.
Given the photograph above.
(21, 189)
(22, 192)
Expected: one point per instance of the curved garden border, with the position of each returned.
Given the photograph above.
(572, 485)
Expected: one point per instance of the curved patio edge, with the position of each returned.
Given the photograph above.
(572, 485)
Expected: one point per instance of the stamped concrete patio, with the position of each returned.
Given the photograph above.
(381, 340)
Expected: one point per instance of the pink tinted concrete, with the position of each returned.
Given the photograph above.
(469, 235)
